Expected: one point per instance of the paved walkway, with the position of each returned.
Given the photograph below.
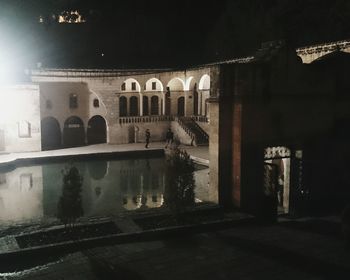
(200, 152)
(246, 252)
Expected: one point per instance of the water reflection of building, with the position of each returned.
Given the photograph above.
(21, 194)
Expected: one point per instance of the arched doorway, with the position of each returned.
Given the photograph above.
(73, 132)
(181, 106)
(96, 130)
(123, 106)
(133, 106)
(50, 134)
(154, 105)
(145, 105)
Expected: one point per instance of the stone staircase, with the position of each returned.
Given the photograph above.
(198, 135)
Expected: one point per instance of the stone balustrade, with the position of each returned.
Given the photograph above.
(145, 119)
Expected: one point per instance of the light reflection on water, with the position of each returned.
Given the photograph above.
(109, 187)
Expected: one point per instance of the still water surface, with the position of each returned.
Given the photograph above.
(109, 187)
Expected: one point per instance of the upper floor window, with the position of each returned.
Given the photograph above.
(154, 85)
(96, 103)
(133, 86)
(73, 101)
(48, 104)
(123, 86)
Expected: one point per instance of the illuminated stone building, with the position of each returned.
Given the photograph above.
(277, 128)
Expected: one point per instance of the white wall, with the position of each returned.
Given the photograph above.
(20, 106)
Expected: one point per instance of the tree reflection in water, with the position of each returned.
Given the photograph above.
(180, 183)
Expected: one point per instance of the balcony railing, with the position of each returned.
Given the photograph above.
(200, 118)
(145, 119)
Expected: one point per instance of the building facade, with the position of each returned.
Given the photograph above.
(277, 128)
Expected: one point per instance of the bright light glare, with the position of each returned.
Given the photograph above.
(7, 68)
(11, 106)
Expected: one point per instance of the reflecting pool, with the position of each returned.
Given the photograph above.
(109, 187)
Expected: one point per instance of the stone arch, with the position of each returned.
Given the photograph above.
(176, 84)
(134, 106)
(181, 106)
(128, 85)
(123, 106)
(73, 132)
(97, 130)
(189, 83)
(50, 134)
(154, 105)
(159, 85)
(204, 82)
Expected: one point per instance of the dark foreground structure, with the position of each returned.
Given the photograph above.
(280, 142)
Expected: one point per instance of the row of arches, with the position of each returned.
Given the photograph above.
(132, 107)
(175, 84)
(73, 134)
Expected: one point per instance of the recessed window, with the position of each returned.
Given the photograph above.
(123, 86)
(24, 129)
(96, 103)
(48, 104)
(154, 85)
(133, 86)
(73, 101)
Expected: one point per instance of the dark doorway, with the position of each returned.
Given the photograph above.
(181, 106)
(195, 102)
(96, 130)
(50, 134)
(145, 105)
(123, 106)
(73, 132)
(154, 105)
(134, 106)
(167, 102)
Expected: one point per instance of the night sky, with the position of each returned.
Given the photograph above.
(144, 34)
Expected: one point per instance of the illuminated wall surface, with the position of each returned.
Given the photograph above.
(20, 118)
(109, 187)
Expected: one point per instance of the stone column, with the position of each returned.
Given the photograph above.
(141, 104)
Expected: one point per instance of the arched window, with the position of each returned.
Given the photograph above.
(154, 105)
(123, 106)
(145, 105)
(96, 103)
(181, 106)
(123, 86)
(133, 106)
(73, 101)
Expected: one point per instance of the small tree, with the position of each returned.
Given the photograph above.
(70, 203)
(180, 183)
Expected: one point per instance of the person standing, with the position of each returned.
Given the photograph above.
(148, 136)
(169, 138)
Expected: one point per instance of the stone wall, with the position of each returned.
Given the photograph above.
(20, 118)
